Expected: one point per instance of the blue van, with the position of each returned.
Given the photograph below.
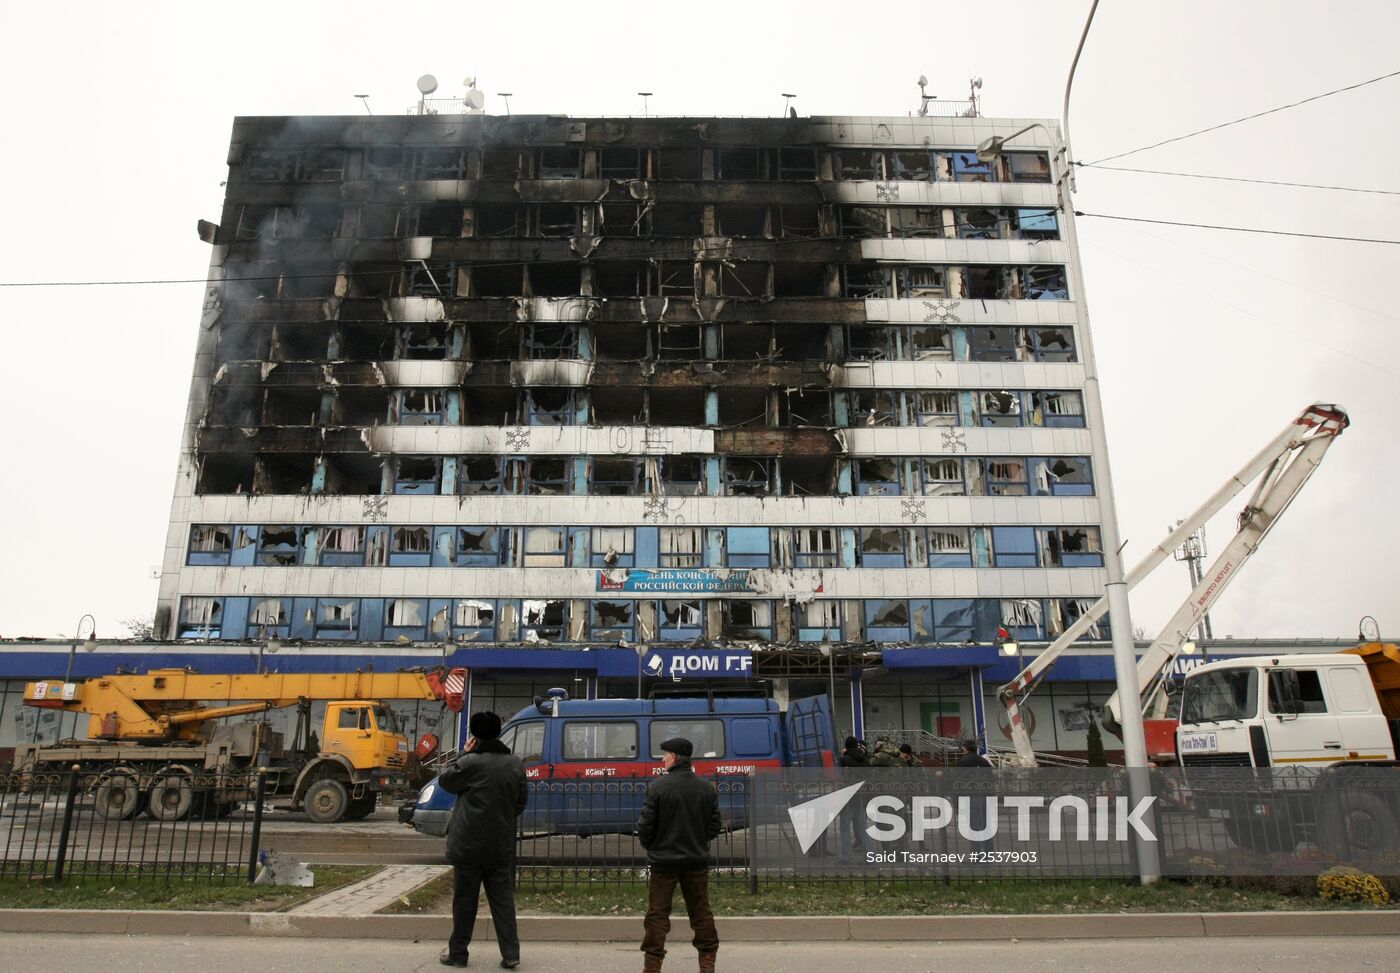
(589, 760)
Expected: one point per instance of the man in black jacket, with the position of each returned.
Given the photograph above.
(679, 820)
(491, 795)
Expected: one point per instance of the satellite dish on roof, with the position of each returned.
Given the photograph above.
(475, 99)
(427, 85)
(922, 82)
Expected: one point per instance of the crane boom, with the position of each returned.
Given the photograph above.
(1286, 464)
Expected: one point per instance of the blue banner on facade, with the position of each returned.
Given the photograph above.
(673, 581)
(677, 664)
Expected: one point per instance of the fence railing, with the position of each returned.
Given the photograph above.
(78, 824)
(845, 826)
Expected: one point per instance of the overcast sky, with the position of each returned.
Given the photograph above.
(118, 119)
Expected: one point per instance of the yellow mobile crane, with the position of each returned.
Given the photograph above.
(156, 743)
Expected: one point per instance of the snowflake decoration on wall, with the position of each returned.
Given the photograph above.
(518, 440)
(913, 510)
(941, 311)
(954, 440)
(887, 192)
(375, 509)
(655, 509)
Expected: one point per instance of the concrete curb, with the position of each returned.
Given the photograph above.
(588, 929)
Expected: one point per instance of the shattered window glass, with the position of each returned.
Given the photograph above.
(1028, 166)
(1045, 283)
(916, 281)
(548, 477)
(878, 478)
(891, 616)
(1006, 478)
(815, 547)
(943, 477)
(866, 281)
(681, 547)
(544, 620)
(1052, 344)
(916, 221)
(979, 224)
(210, 539)
(611, 620)
(949, 547)
(937, 408)
(474, 614)
(862, 221)
(681, 619)
(860, 164)
(1071, 547)
(1000, 408)
(406, 612)
(914, 165)
(881, 547)
(967, 168)
(278, 545)
(797, 164)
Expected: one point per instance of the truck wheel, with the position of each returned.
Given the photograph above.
(118, 797)
(1358, 826)
(171, 797)
(361, 807)
(1261, 837)
(326, 801)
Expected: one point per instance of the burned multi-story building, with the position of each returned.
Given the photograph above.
(499, 385)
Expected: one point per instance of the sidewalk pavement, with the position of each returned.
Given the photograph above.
(368, 896)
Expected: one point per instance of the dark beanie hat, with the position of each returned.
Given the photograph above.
(905, 748)
(680, 746)
(485, 726)
(852, 743)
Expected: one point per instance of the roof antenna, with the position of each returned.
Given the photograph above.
(506, 95)
(787, 100)
(426, 86)
(974, 85)
(364, 99)
(924, 97)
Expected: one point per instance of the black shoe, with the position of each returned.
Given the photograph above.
(509, 964)
(447, 959)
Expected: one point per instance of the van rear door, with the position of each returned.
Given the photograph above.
(811, 736)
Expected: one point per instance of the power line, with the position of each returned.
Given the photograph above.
(1262, 182)
(1213, 128)
(1237, 229)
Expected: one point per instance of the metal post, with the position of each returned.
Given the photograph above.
(67, 827)
(259, 795)
(751, 833)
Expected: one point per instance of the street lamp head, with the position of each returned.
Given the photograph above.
(1188, 647)
(989, 149)
(825, 649)
(90, 644)
(1010, 648)
(273, 646)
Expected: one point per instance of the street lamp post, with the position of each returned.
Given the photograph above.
(641, 651)
(271, 646)
(829, 651)
(89, 644)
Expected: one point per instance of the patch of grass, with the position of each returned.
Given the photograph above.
(432, 898)
(194, 894)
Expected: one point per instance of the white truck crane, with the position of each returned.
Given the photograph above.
(1285, 464)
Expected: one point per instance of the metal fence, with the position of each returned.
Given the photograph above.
(77, 824)
(877, 827)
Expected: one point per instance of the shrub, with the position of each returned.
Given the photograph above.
(1342, 883)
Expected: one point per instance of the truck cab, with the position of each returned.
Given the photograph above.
(618, 740)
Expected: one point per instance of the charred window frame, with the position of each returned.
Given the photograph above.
(548, 477)
(543, 619)
(748, 476)
(864, 222)
(966, 167)
(612, 621)
(498, 280)
(418, 475)
(624, 220)
(210, 544)
(1039, 223)
(436, 220)
(552, 342)
(680, 620)
(887, 620)
(798, 280)
(942, 476)
(270, 617)
(679, 342)
(949, 547)
(560, 162)
(270, 165)
(384, 162)
(814, 547)
(445, 162)
(979, 224)
(1027, 166)
(798, 222)
(617, 476)
(554, 279)
(679, 164)
(921, 281)
(554, 220)
(1060, 409)
(748, 547)
(817, 621)
(930, 342)
(612, 547)
(874, 407)
(1047, 282)
(672, 278)
(878, 477)
(741, 164)
(200, 617)
(682, 475)
(866, 281)
(913, 165)
(503, 163)
(746, 619)
(479, 547)
(987, 282)
(1063, 476)
(381, 223)
(622, 163)
(742, 221)
(880, 547)
(685, 220)
(624, 279)
(1070, 547)
(914, 222)
(500, 220)
(481, 476)
(272, 222)
(279, 545)
(797, 165)
(860, 164)
(322, 165)
(879, 342)
(417, 407)
(421, 342)
(437, 279)
(681, 547)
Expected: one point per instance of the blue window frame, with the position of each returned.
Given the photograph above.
(337, 618)
(747, 619)
(610, 621)
(410, 547)
(1024, 618)
(1046, 282)
(270, 618)
(1064, 409)
(200, 618)
(679, 620)
(417, 474)
(815, 547)
(747, 547)
(210, 544)
(954, 619)
(279, 545)
(968, 168)
(406, 618)
(1063, 476)
(478, 547)
(1014, 547)
(1071, 547)
(418, 407)
(887, 620)
(818, 621)
(949, 547)
(474, 620)
(1037, 224)
(1006, 477)
(881, 547)
(1000, 409)
(878, 477)
(612, 547)
(544, 619)
(341, 547)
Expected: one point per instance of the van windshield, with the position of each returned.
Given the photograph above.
(1229, 694)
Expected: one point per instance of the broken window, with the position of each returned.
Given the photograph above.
(943, 477)
(917, 281)
(739, 164)
(544, 620)
(270, 617)
(410, 547)
(916, 221)
(552, 341)
(1052, 344)
(616, 163)
(881, 547)
(878, 477)
(611, 621)
(487, 406)
(1062, 409)
(436, 279)
(747, 476)
(421, 342)
(417, 474)
(498, 280)
(1023, 618)
(618, 476)
(986, 283)
(269, 165)
(341, 547)
(416, 407)
(679, 342)
(619, 405)
(337, 618)
(474, 620)
(747, 619)
(554, 279)
(618, 279)
(348, 473)
(681, 547)
(200, 618)
(677, 220)
(679, 163)
(1006, 477)
(949, 547)
(1063, 476)
(480, 475)
(549, 477)
(1045, 283)
(979, 224)
(968, 168)
(680, 620)
(743, 279)
(1071, 547)
(1064, 612)
(913, 165)
(863, 281)
(999, 408)
(405, 613)
(545, 547)
(283, 473)
(681, 476)
(383, 163)
(799, 280)
(243, 342)
(797, 165)
(447, 162)
(555, 220)
(676, 407)
(478, 547)
(559, 162)
(234, 405)
(501, 164)
(1037, 224)
(872, 343)
(265, 223)
(887, 620)
(860, 222)
(742, 221)
(961, 619)
(747, 547)
(499, 220)
(936, 408)
(209, 545)
(741, 407)
(804, 222)
(804, 407)
(672, 278)
(612, 547)
(279, 546)
(874, 407)
(930, 343)
(997, 344)
(817, 621)
(1028, 166)
(322, 165)
(860, 164)
(436, 220)
(380, 223)
(623, 220)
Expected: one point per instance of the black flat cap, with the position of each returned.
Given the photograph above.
(680, 746)
(484, 726)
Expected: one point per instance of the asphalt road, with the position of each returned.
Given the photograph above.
(160, 954)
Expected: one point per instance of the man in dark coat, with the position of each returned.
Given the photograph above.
(973, 759)
(679, 820)
(491, 795)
